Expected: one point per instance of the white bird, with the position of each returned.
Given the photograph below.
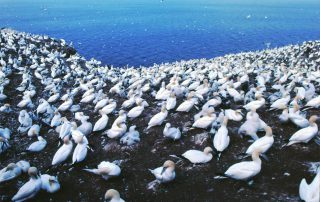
(65, 129)
(310, 192)
(66, 105)
(5, 133)
(129, 103)
(205, 121)
(56, 120)
(214, 102)
(284, 116)
(281, 103)
(10, 172)
(38, 145)
(165, 173)
(24, 120)
(221, 139)
(85, 127)
(263, 144)
(158, 119)
(305, 134)
(88, 98)
(113, 195)
(122, 117)
(54, 97)
(171, 132)
(136, 111)
(106, 169)
(131, 137)
(234, 115)
(49, 183)
(171, 101)
(117, 130)
(34, 130)
(30, 188)
(75, 133)
(187, 104)
(256, 104)
(252, 125)
(101, 123)
(101, 103)
(13, 170)
(42, 107)
(314, 102)
(80, 152)
(196, 156)
(63, 152)
(26, 102)
(297, 118)
(246, 169)
(110, 107)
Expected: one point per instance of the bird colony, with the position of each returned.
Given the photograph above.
(243, 125)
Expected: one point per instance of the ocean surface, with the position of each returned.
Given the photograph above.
(143, 32)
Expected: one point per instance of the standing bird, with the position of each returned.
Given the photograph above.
(63, 152)
(80, 152)
(310, 192)
(171, 101)
(221, 139)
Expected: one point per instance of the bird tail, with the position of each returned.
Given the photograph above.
(153, 185)
(94, 171)
(306, 108)
(285, 145)
(220, 176)
(175, 156)
(272, 109)
(218, 155)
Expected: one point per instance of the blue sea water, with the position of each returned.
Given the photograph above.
(143, 32)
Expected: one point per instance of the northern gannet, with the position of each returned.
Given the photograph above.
(106, 169)
(30, 188)
(196, 156)
(305, 134)
(113, 195)
(171, 132)
(63, 152)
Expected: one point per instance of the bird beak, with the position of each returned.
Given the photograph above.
(163, 170)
